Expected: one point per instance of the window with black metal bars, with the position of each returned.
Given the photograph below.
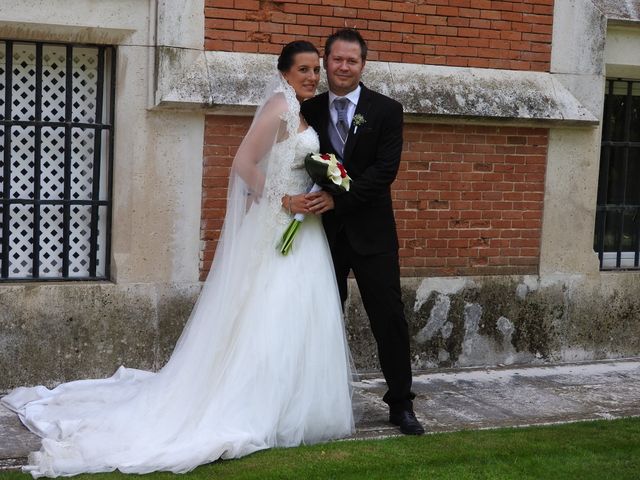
(56, 155)
(617, 234)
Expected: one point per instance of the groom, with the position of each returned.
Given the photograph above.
(364, 129)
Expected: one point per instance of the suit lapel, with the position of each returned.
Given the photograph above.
(364, 103)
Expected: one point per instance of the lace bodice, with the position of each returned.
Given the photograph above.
(286, 173)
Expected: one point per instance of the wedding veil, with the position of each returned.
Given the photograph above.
(276, 121)
(134, 416)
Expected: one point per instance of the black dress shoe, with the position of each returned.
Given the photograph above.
(407, 421)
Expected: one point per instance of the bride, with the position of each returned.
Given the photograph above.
(263, 360)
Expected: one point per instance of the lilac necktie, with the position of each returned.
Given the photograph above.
(342, 125)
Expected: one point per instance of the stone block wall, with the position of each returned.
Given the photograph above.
(508, 319)
(513, 35)
(518, 289)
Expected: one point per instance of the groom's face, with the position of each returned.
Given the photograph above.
(344, 66)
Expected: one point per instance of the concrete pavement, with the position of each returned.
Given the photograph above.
(458, 399)
(506, 396)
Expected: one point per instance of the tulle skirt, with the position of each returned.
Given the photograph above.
(263, 362)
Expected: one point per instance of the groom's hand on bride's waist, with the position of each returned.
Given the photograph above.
(320, 202)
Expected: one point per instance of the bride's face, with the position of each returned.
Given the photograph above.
(304, 74)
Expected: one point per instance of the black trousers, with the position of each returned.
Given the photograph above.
(378, 278)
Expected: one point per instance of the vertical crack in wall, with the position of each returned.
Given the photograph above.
(209, 79)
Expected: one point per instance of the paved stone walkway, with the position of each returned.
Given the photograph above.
(505, 397)
(461, 399)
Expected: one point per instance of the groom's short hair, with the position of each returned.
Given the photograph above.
(346, 35)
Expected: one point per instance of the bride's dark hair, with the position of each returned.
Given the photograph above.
(290, 50)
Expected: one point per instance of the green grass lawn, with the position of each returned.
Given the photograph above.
(588, 450)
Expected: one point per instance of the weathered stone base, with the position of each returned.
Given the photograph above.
(482, 321)
(61, 332)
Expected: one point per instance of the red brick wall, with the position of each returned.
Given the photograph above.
(512, 35)
(468, 199)
(222, 137)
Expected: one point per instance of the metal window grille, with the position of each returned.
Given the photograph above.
(56, 152)
(617, 235)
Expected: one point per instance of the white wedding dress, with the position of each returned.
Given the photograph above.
(263, 361)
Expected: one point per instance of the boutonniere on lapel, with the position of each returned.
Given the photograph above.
(358, 120)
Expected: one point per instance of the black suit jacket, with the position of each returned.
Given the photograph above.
(371, 157)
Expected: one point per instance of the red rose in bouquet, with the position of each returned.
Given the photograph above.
(325, 170)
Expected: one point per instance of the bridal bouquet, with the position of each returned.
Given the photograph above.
(327, 173)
